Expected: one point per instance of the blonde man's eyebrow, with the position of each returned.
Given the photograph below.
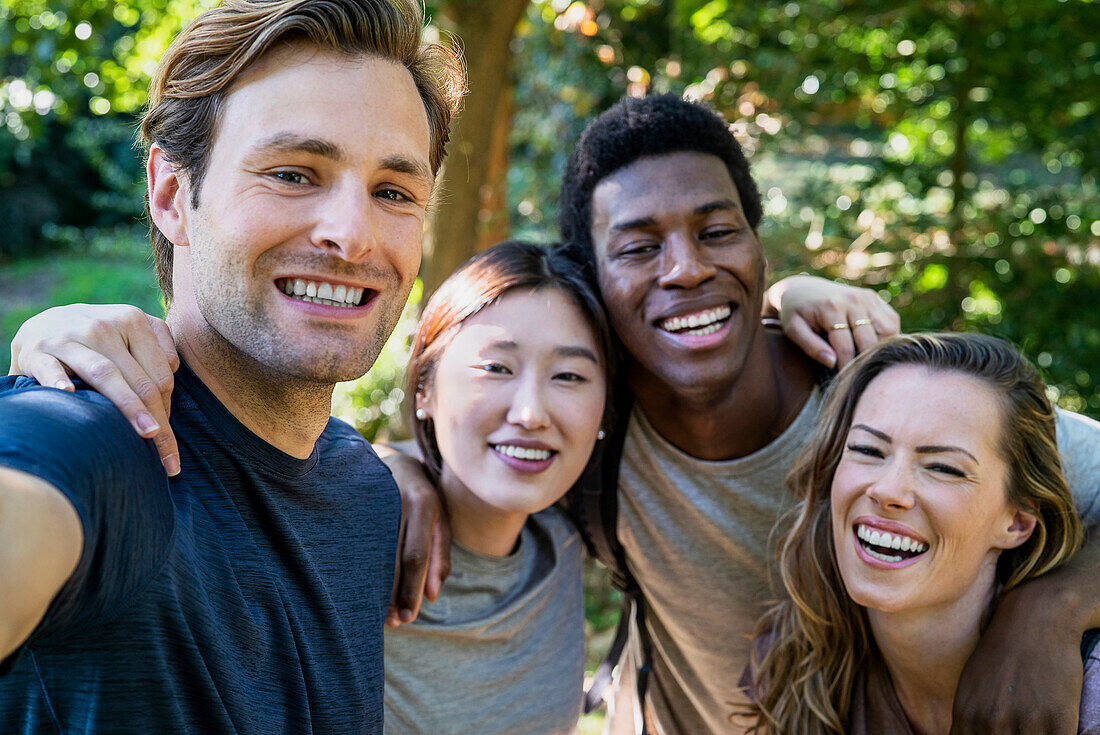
(406, 165)
(286, 142)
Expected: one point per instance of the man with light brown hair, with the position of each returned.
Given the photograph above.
(292, 148)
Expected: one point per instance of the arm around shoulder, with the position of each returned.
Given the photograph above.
(424, 545)
(1089, 719)
(41, 539)
(1079, 444)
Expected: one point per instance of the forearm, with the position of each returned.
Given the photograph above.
(829, 321)
(1068, 597)
(40, 545)
(773, 296)
(424, 553)
(1025, 674)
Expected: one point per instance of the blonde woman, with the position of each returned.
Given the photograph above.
(932, 485)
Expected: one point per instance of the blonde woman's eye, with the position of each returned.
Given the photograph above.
(947, 469)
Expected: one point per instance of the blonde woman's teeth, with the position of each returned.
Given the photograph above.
(886, 541)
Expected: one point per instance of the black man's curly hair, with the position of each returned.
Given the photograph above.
(637, 128)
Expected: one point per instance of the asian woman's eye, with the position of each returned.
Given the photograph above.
(494, 368)
(571, 377)
(866, 450)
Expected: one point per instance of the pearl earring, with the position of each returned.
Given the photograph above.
(421, 414)
(601, 434)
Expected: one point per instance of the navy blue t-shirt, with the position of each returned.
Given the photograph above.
(245, 595)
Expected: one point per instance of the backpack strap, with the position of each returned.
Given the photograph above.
(594, 503)
(647, 664)
(594, 500)
(633, 607)
(593, 696)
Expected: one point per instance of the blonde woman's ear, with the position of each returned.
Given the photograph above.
(1020, 530)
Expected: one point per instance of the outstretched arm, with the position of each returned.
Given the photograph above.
(40, 544)
(120, 351)
(831, 322)
(424, 548)
(1026, 674)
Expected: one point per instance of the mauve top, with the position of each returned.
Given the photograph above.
(876, 710)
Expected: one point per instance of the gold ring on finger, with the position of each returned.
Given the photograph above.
(840, 325)
(860, 322)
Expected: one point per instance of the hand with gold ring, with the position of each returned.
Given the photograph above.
(831, 322)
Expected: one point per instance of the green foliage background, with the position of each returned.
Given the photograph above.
(944, 153)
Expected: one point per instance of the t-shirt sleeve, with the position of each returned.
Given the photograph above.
(85, 448)
(1089, 719)
(1079, 443)
(749, 681)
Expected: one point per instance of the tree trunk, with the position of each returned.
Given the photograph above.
(958, 284)
(493, 215)
(460, 214)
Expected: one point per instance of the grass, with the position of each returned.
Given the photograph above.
(115, 267)
(592, 724)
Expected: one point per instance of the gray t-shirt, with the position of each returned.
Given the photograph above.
(698, 538)
(502, 650)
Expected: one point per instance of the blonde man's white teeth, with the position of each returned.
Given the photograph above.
(320, 292)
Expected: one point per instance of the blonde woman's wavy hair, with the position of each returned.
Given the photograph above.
(197, 72)
(819, 638)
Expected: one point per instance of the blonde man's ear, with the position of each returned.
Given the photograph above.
(169, 193)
